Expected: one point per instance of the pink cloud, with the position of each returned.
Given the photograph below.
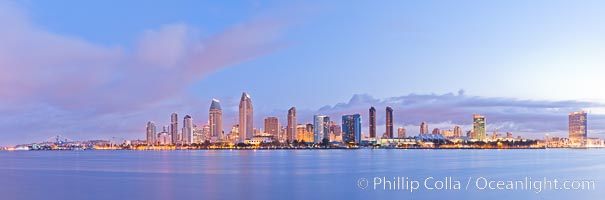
(167, 46)
(52, 83)
(72, 73)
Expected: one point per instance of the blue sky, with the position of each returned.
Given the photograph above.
(119, 64)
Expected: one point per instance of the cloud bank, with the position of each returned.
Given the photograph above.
(532, 118)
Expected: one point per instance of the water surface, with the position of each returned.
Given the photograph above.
(288, 174)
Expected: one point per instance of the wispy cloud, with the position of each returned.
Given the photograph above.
(52, 83)
(71, 78)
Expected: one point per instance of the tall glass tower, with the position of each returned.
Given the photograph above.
(187, 133)
(479, 127)
(215, 121)
(578, 129)
(246, 118)
(151, 133)
(351, 128)
(174, 129)
(372, 122)
(291, 127)
(321, 123)
(389, 122)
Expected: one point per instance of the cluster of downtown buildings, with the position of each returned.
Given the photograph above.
(323, 129)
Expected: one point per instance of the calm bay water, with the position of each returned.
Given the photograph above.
(290, 174)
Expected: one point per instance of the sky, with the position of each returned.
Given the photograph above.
(102, 69)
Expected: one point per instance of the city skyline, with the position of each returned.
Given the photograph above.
(323, 128)
(391, 99)
(79, 73)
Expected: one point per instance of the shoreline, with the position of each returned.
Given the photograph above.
(309, 149)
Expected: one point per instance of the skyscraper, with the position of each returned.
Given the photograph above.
(479, 127)
(372, 122)
(272, 127)
(389, 122)
(424, 128)
(578, 129)
(436, 131)
(401, 132)
(187, 133)
(215, 121)
(457, 131)
(291, 127)
(151, 134)
(304, 133)
(322, 128)
(174, 129)
(351, 128)
(246, 118)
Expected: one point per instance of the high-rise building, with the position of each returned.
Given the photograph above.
(457, 131)
(206, 132)
(436, 131)
(401, 132)
(424, 128)
(301, 131)
(447, 133)
(174, 129)
(246, 118)
(164, 138)
(335, 132)
(322, 128)
(187, 133)
(272, 127)
(151, 134)
(351, 129)
(198, 134)
(304, 133)
(335, 129)
(215, 121)
(291, 127)
(578, 129)
(479, 127)
(282, 133)
(389, 122)
(309, 137)
(372, 121)
(234, 134)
